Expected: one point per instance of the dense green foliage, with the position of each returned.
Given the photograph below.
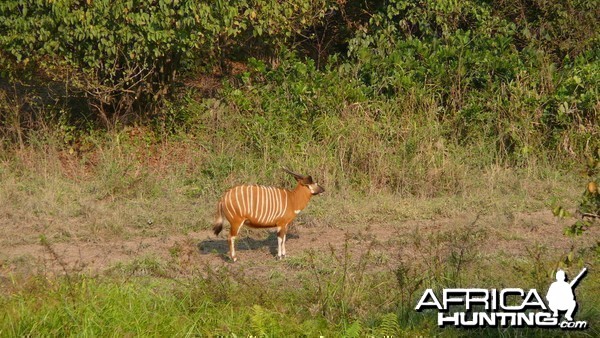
(126, 55)
(483, 78)
(510, 84)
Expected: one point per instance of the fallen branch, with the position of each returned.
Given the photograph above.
(589, 214)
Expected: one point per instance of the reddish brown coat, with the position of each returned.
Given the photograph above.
(264, 207)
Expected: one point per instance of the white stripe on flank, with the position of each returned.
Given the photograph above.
(224, 207)
(258, 204)
(232, 201)
(270, 205)
(263, 202)
(227, 201)
(276, 205)
(267, 206)
(282, 203)
(250, 200)
(275, 208)
(243, 211)
(255, 204)
(279, 206)
(286, 202)
(237, 200)
(231, 195)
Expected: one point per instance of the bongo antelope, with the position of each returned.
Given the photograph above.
(264, 207)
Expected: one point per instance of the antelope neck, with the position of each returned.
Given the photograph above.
(299, 197)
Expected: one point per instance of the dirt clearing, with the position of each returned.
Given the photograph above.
(496, 236)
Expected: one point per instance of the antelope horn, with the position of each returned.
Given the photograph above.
(298, 176)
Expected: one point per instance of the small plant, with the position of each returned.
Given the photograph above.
(409, 280)
(588, 210)
(446, 256)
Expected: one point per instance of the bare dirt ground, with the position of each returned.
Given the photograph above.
(505, 235)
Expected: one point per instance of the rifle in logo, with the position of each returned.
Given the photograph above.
(560, 295)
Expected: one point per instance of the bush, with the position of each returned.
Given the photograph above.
(121, 55)
(125, 56)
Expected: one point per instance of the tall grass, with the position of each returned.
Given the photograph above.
(341, 292)
(136, 185)
(221, 302)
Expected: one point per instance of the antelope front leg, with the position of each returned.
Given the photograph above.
(281, 234)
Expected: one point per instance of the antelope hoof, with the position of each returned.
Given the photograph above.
(279, 258)
(233, 259)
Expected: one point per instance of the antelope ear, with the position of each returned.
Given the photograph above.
(306, 180)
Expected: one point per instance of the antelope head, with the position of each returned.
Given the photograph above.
(307, 181)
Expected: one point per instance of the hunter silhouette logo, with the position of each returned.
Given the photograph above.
(510, 307)
(560, 295)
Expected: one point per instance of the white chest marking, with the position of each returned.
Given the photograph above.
(297, 211)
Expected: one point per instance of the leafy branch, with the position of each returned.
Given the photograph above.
(588, 210)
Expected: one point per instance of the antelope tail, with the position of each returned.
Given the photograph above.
(218, 226)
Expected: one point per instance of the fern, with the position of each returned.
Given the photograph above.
(353, 330)
(389, 326)
(258, 318)
(263, 322)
